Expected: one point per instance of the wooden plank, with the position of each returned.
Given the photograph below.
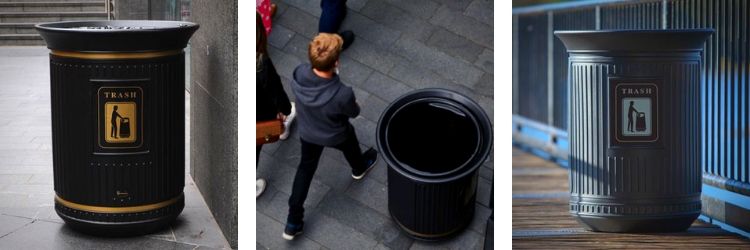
(541, 219)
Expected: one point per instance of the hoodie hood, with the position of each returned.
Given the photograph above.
(313, 90)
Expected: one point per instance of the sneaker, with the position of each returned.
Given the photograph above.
(371, 157)
(260, 186)
(288, 123)
(348, 37)
(292, 230)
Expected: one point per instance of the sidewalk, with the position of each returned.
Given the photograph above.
(27, 216)
(400, 46)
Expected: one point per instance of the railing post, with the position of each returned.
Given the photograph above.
(664, 14)
(515, 64)
(598, 14)
(550, 69)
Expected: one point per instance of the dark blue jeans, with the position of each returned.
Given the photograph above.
(309, 163)
(333, 14)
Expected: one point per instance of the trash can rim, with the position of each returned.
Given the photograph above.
(160, 36)
(64, 26)
(632, 41)
(483, 125)
(639, 31)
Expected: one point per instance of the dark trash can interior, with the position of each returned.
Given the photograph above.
(434, 141)
(445, 136)
(118, 111)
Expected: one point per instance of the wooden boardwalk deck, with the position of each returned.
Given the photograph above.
(541, 219)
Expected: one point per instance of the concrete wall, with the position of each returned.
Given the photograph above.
(213, 102)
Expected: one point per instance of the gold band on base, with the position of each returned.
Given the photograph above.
(108, 56)
(116, 210)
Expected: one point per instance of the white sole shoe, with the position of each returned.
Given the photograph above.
(288, 123)
(260, 186)
(289, 237)
(372, 165)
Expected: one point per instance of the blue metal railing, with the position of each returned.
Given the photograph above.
(540, 84)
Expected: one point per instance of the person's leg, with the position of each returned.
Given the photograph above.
(114, 130)
(333, 13)
(305, 172)
(260, 183)
(351, 150)
(331, 17)
(630, 124)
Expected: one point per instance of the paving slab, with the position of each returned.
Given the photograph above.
(395, 18)
(455, 21)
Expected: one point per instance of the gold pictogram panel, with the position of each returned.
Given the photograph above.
(120, 119)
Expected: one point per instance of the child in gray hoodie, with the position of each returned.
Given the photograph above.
(324, 106)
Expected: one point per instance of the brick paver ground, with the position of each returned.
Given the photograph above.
(400, 46)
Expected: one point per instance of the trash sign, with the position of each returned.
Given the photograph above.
(635, 112)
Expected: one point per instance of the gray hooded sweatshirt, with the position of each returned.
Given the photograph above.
(324, 107)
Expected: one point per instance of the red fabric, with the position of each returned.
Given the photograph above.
(264, 8)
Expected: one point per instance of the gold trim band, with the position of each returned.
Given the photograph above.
(108, 56)
(115, 210)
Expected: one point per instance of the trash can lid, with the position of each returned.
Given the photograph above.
(116, 36)
(593, 41)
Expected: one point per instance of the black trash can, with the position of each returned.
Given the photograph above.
(635, 128)
(118, 123)
(434, 142)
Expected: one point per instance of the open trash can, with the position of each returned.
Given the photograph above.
(118, 122)
(635, 128)
(434, 142)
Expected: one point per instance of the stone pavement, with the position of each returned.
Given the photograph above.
(27, 216)
(400, 46)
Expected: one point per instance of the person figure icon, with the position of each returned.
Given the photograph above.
(113, 134)
(631, 111)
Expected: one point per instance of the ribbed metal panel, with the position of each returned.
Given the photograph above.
(432, 209)
(725, 92)
(150, 174)
(586, 123)
(638, 15)
(579, 19)
(612, 181)
(532, 66)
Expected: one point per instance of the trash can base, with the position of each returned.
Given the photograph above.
(433, 237)
(629, 224)
(124, 228)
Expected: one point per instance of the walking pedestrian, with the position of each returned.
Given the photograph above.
(325, 106)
